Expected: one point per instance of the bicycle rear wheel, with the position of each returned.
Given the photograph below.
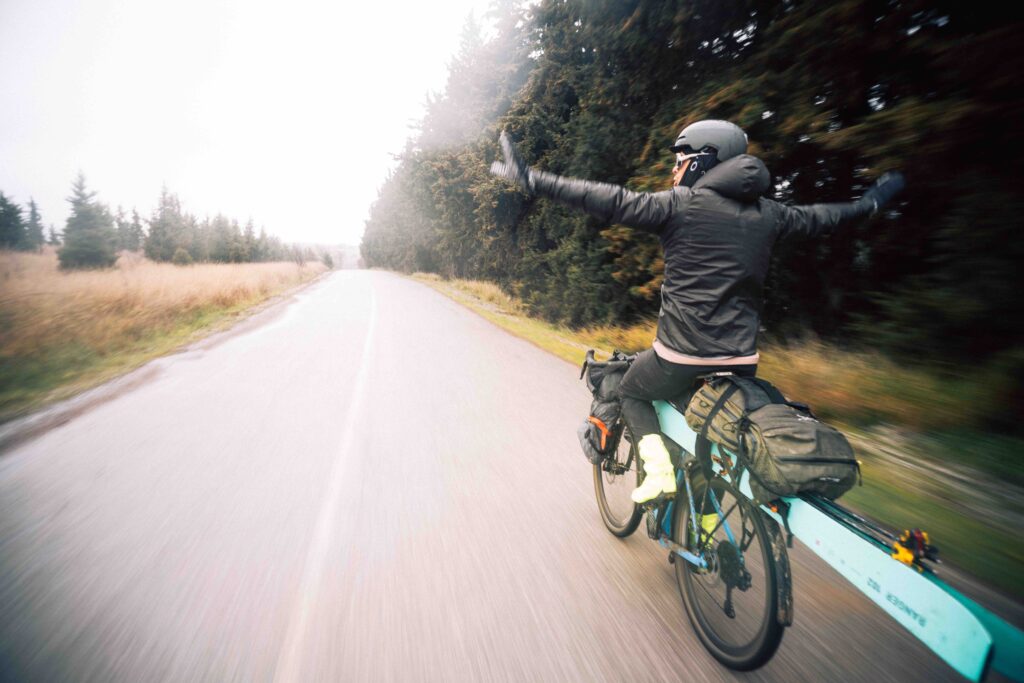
(732, 604)
(614, 479)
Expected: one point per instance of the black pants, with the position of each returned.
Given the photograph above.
(650, 377)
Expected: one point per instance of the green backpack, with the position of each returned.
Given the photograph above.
(784, 447)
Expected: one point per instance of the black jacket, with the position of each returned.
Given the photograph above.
(717, 238)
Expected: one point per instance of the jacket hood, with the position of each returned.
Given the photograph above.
(744, 178)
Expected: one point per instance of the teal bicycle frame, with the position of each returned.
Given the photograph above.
(964, 634)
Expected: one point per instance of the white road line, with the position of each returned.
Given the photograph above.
(289, 660)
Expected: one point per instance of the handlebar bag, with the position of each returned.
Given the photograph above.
(598, 434)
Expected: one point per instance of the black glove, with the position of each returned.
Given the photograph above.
(513, 169)
(885, 188)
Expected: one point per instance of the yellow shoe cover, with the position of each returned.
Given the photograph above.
(660, 475)
(708, 523)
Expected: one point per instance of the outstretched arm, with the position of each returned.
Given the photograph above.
(812, 220)
(610, 203)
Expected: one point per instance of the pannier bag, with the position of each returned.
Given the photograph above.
(595, 434)
(784, 447)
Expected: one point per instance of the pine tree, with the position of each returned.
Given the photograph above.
(12, 226)
(121, 226)
(89, 237)
(53, 238)
(262, 246)
(220, 239)
(236, 249)
(33, 239)
(129, 231)
(165, 228)
(249, 242)
(190, 238)
(136, 235)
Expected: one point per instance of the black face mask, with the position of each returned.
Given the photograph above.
(699, 165)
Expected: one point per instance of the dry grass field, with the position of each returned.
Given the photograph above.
(63, 331)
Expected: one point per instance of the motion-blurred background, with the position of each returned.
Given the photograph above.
(909, 324)
(167, 168)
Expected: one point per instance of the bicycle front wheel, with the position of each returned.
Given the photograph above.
(614, 479)
(732, 604)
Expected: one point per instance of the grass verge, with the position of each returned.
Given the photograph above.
(992, 554)
(964, 486)
(64, 332)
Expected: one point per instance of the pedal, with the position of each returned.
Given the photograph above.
(652, 523)
(660, 500)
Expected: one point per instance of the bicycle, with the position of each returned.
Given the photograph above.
(732, 565)
(733, 586)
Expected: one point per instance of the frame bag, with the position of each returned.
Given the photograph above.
(785, 448)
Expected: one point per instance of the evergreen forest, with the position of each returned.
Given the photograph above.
(831, 94)
(93, 234)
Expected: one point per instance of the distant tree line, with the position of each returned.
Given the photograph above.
(18, 231)
(831, 95)
(93, 234)
(180, 237)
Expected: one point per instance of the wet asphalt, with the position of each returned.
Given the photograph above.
(367, 482)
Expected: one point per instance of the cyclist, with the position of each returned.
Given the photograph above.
(717, 232)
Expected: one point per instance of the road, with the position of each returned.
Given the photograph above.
(368, 483)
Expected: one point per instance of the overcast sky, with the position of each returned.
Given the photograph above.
(287, 113)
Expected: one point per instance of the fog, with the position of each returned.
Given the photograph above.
(285, 113)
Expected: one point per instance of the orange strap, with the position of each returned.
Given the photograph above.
(603, 427)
